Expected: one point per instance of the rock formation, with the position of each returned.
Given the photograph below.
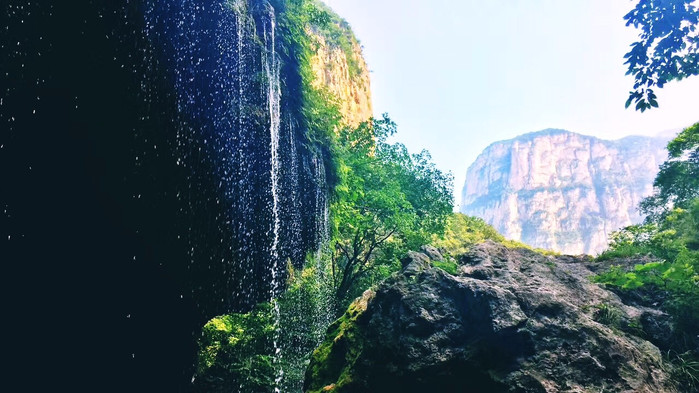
(510, 320)
(156, 166)
(344, 73)
(562, 191)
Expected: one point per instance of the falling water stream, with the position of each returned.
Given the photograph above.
(255, 186)
(197, 105)
(271, 66)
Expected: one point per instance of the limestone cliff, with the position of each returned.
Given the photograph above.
(339, 66)
(563, 191)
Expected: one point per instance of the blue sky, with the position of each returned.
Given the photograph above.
(458, 75)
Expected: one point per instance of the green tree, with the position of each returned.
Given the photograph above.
(463, 232)
(240, 349)
(234, 350)
(674, 242)
(671, 237)
(668, 47)
(387, 201)
(677, 183)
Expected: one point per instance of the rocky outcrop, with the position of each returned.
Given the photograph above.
(562, 191)
(338, 65)
(510, 320)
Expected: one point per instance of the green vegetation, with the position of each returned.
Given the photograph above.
(234, 352)
(673, 242)
(463, 232)
(387, 202)
(670, 236)
(298, 18)
(337, 354)
(668, 48)
(607, 315)
(319, 109)
(384, 201)
(238, 349)
(677, 183)
(686, 370)
(448, 265)
(337, 33)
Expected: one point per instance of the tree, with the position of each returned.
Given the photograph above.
(671, 237)
(677, 183)
(674, 243)
(387, 201)
(668, 48)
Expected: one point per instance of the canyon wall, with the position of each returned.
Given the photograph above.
(562, 191)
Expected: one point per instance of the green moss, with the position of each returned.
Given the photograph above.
(448, 265)
(332, 363)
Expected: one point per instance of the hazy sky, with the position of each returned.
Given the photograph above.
(457, 75)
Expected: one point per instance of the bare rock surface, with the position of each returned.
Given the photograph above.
(511, 320)
(562, 191)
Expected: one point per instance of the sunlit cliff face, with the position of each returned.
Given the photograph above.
(562, 191)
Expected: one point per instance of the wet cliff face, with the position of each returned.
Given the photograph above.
(155, 168)
(562, 191)
(240, 140)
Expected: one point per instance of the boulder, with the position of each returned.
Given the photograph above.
(510, 320)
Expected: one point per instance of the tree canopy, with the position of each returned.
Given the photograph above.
(386, 202)
(677, 183)
(667, 49)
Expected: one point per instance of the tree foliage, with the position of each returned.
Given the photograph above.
(677, 183)
(240, 349)
(463, 232)
(234, 351)
(670, 236)
(674, 242)
(387, 201)
(668, 47)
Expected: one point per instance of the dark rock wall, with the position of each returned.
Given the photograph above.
(136, 170)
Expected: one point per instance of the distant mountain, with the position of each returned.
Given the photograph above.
(560, 190)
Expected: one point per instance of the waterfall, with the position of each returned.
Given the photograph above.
(271, 67)
(201, 175)
(322, 208)
(252, 191)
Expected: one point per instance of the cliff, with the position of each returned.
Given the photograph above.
(157, 165)
(339, 66)
(563, 191)
(507, 320)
